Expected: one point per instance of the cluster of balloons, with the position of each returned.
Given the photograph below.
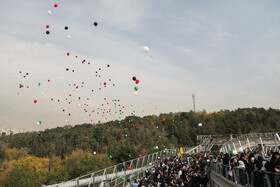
(135, 87)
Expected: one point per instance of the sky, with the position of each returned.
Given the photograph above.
(224, 52)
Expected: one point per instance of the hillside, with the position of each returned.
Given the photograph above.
(64, 153)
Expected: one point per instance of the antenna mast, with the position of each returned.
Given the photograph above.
(193, 96)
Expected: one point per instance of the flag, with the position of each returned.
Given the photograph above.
(180, 152)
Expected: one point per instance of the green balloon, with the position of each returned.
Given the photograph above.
(129, 156)
(110, 156)
(122, 178)
(135, 88)
(39, 84)
(159, 136)
(118, 176)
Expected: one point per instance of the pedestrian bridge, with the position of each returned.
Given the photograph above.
(117, 175)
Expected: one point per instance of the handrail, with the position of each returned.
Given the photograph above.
(121, 168)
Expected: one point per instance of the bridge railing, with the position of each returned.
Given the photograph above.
(242, 177)
(252, 140)
(124, 169)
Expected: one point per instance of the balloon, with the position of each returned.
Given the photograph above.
(94, 153)
(105, 83)
(137, 81)
(129, 168)
(163, 120)
(69, 37)
(35, 101)
(135, 88)
(122, 178)
(66, 28)
(110, 156)
(95, 24)
(118, 176)
(47, 26)
(55, 5)
(145, 49)
(200, 124)
(68, 54)
(135, 93)
(47, 32)
(129, 156)
(39, 122)
(134, 78)
(140, 156)
(152, 123)
(49, 12)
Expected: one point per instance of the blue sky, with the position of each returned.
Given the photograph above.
(225, 52)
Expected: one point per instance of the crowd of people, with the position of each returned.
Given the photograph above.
(188, 170)
(249, 166)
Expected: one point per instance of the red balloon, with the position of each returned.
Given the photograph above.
(105, 83)
(55, 5)
(49, 80)
(129, 168)
(35, 101)
(140, 156)
(136, 127)
(122, 129)
(152, 123)
(163, 119)
(47, 26)
(137, 81)
(68, 54)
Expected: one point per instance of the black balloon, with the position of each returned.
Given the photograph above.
(95, 24)
(47, 32)
(108, 65)
(66, 28)
(134, 78)
(67, 69)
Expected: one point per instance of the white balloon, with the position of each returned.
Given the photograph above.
(145, 49)
(69, 37)
(135, 93)
(49, 12)
(200, 124)
(240, 149)
(94, 153)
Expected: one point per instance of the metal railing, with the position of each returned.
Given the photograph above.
(126, 169)
(268, 141)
